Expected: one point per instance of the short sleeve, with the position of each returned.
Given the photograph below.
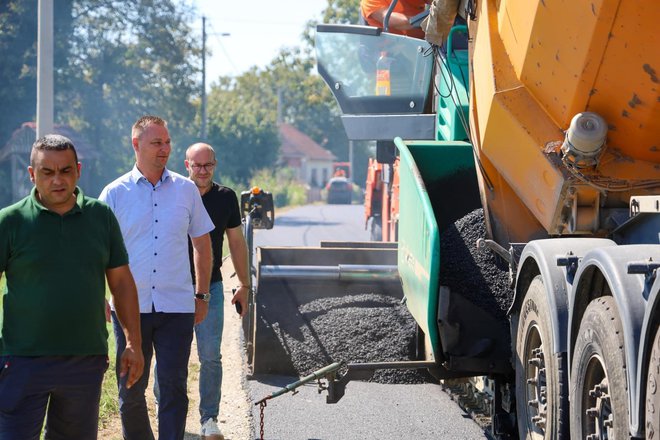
(369, 6)
(234, 211)
(106, 197)
(200, 222)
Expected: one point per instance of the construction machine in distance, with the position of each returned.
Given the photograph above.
(549, 122)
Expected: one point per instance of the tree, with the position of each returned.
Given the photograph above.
(114, 61)
(242, 127)
(128, 59)
(243, 111)
(18, 50)
(342, 12)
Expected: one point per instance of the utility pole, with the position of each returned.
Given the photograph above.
(203, 130)
(45, 69)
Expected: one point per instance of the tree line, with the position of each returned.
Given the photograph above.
(115, 60)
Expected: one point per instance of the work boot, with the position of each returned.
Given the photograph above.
(210, 431)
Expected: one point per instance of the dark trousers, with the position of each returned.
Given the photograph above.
(68, 388)
(169, 335)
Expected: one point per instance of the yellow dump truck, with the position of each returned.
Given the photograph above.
(565, 123)
(564, 119)
(528, 173)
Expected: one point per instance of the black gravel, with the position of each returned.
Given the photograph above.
(351, 328)
(479, 275)
(370, 327)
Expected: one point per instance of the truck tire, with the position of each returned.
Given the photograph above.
(653, 391)
(541, 377)
(599, 391)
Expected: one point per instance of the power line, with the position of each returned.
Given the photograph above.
(217, 36)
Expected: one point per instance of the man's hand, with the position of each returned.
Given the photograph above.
(201, 310)
(125, 299)
(241, 297)
(132, 364)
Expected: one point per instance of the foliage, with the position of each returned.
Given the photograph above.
(18, 69)
(282, 184)
(3, 286)
(342, 11)
(306, 101)
(109, 404)
(358, 194)
(242, 127)
(244, 111)
(128, 59)
(114, 61)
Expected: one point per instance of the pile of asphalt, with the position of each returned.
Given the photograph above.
(356, 328)
(478, 275)
(370, 327)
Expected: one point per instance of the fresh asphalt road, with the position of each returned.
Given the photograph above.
(311, 224)
(368, 410)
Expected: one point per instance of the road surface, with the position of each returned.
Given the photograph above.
(309, 225)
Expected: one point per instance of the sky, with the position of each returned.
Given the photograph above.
(258, 29)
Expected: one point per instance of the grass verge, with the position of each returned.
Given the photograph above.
(109, 405)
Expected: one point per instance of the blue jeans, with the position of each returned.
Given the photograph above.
(170, 336)
(67, 388)
(209, 338)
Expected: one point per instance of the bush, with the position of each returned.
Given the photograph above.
(287, 190)
(358, 194)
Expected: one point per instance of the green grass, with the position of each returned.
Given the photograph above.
(109, 406)
(3, 285)
(3, 288)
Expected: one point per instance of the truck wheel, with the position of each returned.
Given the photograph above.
(541, 380)
(653, 391)
(599, 392)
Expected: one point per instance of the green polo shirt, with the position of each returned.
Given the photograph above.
(55, 268)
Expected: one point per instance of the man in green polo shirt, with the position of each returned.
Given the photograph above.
(57, 248)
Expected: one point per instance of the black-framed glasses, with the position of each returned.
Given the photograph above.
(207, 166)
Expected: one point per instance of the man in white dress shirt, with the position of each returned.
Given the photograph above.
(157, 210)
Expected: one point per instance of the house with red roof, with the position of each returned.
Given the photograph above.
(312, 162)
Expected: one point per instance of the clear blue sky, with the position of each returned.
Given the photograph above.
(258, 29)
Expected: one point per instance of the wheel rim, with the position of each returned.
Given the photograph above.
(536, 389)
(598, 421)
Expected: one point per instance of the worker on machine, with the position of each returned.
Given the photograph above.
(373, 13)
(413, 19)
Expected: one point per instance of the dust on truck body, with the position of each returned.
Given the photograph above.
(564, 151)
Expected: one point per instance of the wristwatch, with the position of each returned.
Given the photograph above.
(203, 296)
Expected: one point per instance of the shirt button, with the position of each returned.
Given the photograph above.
(155, 253)
(155, 204)
(154, 270)
(153, 287)
(156, 237)
(156, 221)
